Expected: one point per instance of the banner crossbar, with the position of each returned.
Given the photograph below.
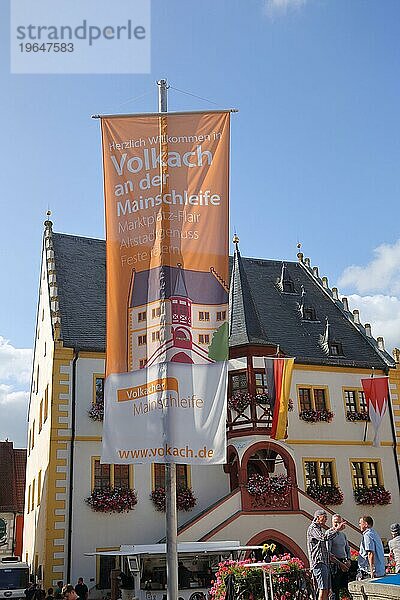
(164, 114)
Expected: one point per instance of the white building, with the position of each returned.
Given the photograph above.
(271, 305)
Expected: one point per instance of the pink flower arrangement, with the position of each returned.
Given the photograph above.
(96, 411)
(325, 494)
(250, 581)
(372, 495)
(239, 401)
(259, 485)
(110, 500)
(315, 416)
(185, 499)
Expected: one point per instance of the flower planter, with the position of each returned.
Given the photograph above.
(376, 495)
(326, 494)
(357, 416)
(259, 485)
(96, 411)
(114, 500)
(185, 499)
(316, 416)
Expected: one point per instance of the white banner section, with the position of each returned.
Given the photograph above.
(167, 413)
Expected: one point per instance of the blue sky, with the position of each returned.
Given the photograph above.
(315, 149)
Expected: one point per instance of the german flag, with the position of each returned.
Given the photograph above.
(279, 377)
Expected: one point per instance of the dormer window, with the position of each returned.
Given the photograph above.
(309, 314)
(285, 282)
(335, 349)
(288, 286)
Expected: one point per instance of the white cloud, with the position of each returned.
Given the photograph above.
(383, 312)
(281, 7)
(10, 396)
(15, 374)
(15, 363)
(381, 274)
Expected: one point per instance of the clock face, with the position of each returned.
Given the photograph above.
(3, 532)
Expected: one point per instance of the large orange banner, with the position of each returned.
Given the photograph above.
(166, 183)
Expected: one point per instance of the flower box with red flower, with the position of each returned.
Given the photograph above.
(96, 411)
(260, 485)
(316, 416)
(185, 499)
(325, 494)
(112, 500)
(374, 495)
(355, 416)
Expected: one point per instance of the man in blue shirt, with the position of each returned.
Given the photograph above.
(371, 559)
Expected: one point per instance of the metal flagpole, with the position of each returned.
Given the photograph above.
(170, 469)
(366, 422)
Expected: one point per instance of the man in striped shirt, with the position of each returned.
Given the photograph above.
(318, 553)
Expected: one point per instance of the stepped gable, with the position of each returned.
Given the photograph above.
(12, 478)
(81, 281)
(245, 325)
(261, 312)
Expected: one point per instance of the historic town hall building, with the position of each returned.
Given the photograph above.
(276, 308)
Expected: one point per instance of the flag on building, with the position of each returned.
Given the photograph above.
(376, 390)
(279, 378)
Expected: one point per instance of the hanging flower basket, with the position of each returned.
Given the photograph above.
(326, 494)
(259, 485)
(372, 496)
(115, 500)
(316, 416)
(239, 401)
(185, 499)
(361, 415)
(96, 411)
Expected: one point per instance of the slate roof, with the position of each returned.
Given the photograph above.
(81, 281)
(260, 312)
(12, 478)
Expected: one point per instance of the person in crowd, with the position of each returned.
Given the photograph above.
(69, 593)
(50, 594)
(371, 558)
(340, 558)
(184, 575)
(31, 591)
(318, 554)
(394, 545)
(82, 589)
(58, 590)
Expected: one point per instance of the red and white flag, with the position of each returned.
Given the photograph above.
(376, 390)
